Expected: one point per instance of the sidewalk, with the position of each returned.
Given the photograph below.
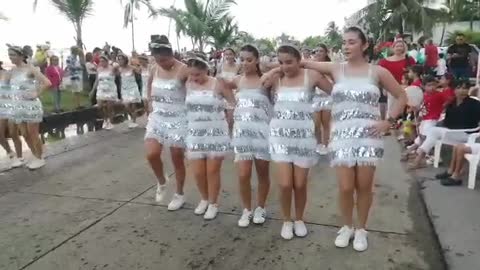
(455, 213)
(92, 207)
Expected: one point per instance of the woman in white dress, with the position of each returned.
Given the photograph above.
(322, 107)
(208, 140)
(228, 70)
(9, 127)
(129, 88)
(167, 123)
(250, 135)
(106, 92)
(356, 143)
(27, 84)
(145, 71)
(292, 133)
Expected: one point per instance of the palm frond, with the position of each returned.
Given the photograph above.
(74, 10)
(127, 14)
(3, 17)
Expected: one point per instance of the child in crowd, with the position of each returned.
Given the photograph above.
(446, 83)
(433, 106)
(441, 68)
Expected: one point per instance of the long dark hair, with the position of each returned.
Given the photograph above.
(251, 49)
(325, 48)
(289, 49)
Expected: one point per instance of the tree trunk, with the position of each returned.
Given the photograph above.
(78, 29)
(200, 45)
(444, 26)
(133, 29)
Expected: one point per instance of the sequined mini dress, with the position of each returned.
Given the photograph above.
(321, 101)
(354, 112)
(129, 87)
(251, 124)
(208, 135)
(6, 100)
(25, 109)
(145, 76)
(292, 130)
(106, 88)
(167, 122)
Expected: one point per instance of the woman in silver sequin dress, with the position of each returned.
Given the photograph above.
(208, 140)
(356, 142)
(167, 124)
(292, 134)
(27, 84)
(227, 71)
(106, 90)
(8, 126)
(145, 71)
(250, 135)
(322, 105)
(129, 88)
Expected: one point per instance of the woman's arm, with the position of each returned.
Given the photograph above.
(44, 82)
(325, 68)
(269, 79)
(226, 92)
(321, 82)
(388, 82)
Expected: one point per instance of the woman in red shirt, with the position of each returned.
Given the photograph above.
(397, 64)
(55, 75)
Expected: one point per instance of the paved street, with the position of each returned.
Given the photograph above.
(92, 207)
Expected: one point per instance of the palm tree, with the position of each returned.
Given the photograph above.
(199, 18)
(224, 33)
(128, 16)
(75, 11)
(399, 15)
(333, 36)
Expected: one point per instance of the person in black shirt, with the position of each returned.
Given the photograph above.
(458, 57)
(462, 113)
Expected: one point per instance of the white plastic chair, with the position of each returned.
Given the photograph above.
(445, 140)
(473, 161)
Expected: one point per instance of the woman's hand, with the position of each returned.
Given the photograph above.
(381, 127)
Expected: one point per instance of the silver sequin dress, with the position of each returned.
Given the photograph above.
(251, 125)
(207, 135)
(355, 110)
(145, 75)
(129, 87)
(321, 101)
(6, 100)
(292, 130)
(106, 88)
(167, 122)
(26, 109)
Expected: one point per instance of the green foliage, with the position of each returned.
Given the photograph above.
(312, 42)
(136, 4)
(201, 19)
(67, 100)
(470, 36)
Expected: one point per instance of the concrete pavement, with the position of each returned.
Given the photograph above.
(92, 207)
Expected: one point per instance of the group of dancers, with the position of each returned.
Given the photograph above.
(270, 117)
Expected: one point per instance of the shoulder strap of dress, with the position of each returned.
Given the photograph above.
(306, 82)
(369, 71)
(342, 69)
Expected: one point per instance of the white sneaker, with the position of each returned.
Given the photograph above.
(16, 162)
(300, 229)
(132, 125)
(212, 211)
(360, 242)
(244, 220)
(161, 191)
(36, 163)
(259, 215)
(176, 203)
(322, 149)
(345, 234)
(287, 230)
(108, 126)
(201, 208)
